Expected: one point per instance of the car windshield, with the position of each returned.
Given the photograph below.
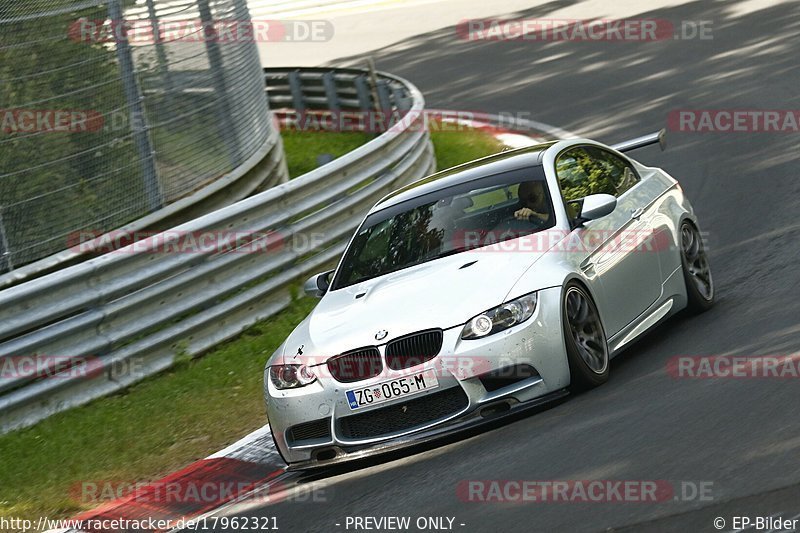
(446, 222)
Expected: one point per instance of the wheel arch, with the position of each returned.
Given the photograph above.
(575, 278)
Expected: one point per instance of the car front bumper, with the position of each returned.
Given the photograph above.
(465, 395)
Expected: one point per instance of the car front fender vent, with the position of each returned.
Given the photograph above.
(310, 431)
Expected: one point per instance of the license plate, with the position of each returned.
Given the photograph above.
(391, 390)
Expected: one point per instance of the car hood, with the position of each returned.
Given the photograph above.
(442, 293)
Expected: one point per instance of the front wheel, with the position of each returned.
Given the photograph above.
(696, 270)
(585, 339)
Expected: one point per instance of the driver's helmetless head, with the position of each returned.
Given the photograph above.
(531, 194)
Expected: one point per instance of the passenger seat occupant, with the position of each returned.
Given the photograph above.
(532, 201)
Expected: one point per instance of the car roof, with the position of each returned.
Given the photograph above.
(527, 157)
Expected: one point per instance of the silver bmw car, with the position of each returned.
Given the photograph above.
(481, 290)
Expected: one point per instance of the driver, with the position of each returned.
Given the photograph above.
(533, 204)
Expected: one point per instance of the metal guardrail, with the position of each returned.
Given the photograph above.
(131, 313)
(340, 90)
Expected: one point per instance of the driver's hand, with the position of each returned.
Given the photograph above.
(526, 213)
(523, 214)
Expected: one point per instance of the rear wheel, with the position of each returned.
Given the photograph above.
(696, 270)
(585, 339)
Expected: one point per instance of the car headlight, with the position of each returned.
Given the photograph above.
(501, 317)
(291, 376)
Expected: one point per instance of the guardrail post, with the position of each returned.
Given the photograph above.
(365, 102)
(383, 95)
(330, 91)
(362, 91)
(295, 86)
(400, 99)
(385, 103)
(133, 96)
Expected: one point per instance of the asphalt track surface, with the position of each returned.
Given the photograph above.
(740, 435)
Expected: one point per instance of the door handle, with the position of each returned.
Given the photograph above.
(637, 213)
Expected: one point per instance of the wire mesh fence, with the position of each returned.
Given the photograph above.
(112, 109)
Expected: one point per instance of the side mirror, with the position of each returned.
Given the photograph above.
(596, 206)
(662, 139)
(317, 285)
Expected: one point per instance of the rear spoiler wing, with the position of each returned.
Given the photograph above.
(645, 140)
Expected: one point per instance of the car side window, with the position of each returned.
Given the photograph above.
(573, 172)
(619, 172)
(586, 170)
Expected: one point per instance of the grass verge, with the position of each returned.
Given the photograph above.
(304, 148)
(453, 148)
(184, 414)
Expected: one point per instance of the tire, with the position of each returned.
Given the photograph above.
(584, 338)
(696, 270)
